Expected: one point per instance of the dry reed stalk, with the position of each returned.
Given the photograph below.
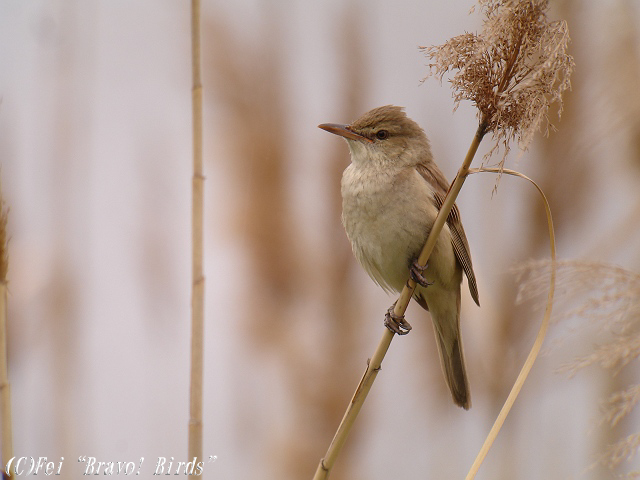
(5, 387)
(512, 72)
(197, 221)
(537, 344)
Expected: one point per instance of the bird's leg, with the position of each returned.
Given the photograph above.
(396, 323)
(416, 273)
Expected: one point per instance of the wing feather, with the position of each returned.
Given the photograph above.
(436, 179)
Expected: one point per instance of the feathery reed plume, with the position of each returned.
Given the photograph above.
(604, 294)
(608, 299)
(620, 451)
(197, 273)
(512, 71)
(5, 387)
(620, 404)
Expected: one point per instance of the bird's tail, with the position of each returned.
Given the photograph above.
(446, 322)
(454, 372)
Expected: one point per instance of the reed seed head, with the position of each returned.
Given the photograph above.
(512, 71)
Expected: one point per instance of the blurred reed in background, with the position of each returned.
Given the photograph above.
(298, 308)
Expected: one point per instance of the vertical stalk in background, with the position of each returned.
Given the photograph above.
(5, 388)
(197, 292)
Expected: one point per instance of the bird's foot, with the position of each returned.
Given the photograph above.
(416, 272)
(396, 323)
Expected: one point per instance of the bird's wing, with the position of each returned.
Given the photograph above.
(436, 179)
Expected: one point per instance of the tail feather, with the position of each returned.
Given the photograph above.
(454, 372)
(446, 323)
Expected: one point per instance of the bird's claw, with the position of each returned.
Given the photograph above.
(416, 273)
(396, 323)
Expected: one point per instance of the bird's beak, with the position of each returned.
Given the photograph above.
(344, 131)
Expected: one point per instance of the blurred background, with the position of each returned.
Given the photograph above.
(95, 155)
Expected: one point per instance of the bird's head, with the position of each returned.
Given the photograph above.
(384, 135)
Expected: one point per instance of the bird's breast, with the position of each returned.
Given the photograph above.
(387, 214)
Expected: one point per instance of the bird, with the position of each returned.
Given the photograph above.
(391, 194)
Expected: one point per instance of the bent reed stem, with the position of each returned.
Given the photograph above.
(375, 362)
(537, 344)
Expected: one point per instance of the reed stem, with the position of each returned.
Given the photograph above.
(197, 292)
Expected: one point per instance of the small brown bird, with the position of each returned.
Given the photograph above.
(391, 194)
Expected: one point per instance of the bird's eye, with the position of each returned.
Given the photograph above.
(382, 134)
